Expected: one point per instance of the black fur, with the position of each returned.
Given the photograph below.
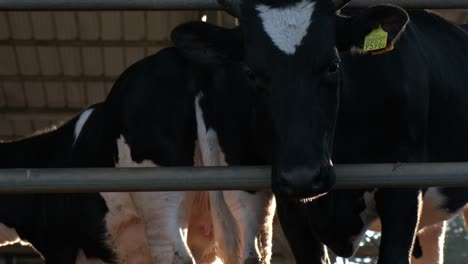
(406, 105)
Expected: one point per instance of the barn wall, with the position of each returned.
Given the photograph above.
(52, 64)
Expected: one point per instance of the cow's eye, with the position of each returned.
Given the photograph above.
(333, 68)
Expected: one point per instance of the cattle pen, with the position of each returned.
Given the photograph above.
(385, 175)
(85, 180)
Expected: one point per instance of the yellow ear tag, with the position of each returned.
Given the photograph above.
(376, 40)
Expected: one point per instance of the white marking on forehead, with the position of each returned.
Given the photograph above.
(287, 26)
(81, 122)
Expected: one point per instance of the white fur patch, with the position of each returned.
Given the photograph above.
(370, 213)
(368, 216)
(433, 210)
(287, 26)
(211, 152)
(126, 229)
(165, 215)
(242, 222)
(253, 214)
(81, 122)
(125, 156)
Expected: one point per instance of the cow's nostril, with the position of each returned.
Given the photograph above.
(304, 182)
(317, 185)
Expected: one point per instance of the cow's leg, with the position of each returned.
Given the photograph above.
(200, 232)
(166, 219)
(304, 243)
(399, 214)
(282, 252)
(431, 240)
(226, 231)
(253, 213)
(126, 230)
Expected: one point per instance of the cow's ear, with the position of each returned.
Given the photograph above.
(208, 44)
(370, 30)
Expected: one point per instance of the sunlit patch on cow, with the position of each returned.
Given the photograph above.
(81, 122)
(8, 235)
(431, 240)
(126, 229)
(200, 230)
(434, 208)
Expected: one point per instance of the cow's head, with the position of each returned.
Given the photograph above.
(229, 102)
(293, 46)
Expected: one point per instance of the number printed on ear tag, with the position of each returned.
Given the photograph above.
(376, 40)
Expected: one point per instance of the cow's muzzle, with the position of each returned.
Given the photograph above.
(305, 182)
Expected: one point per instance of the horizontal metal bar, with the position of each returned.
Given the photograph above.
(132, 179)
(192, 4)
(221, 178)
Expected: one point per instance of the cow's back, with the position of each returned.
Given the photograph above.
(418, 89)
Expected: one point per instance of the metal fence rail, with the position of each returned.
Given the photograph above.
(192, 4)
(220, 178)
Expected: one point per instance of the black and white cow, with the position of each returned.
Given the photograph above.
(406, 105)
(68, 228)
(159, 113)
(191, 102)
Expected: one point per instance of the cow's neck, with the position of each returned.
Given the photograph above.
(229, 117)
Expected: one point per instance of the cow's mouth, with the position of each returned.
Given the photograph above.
(304, 183)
